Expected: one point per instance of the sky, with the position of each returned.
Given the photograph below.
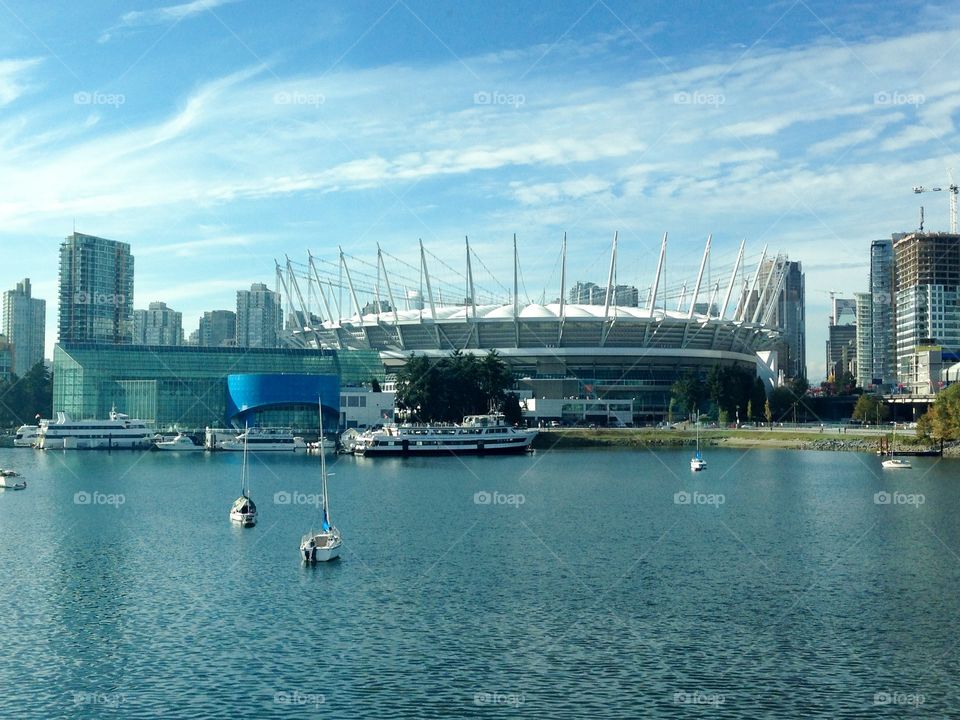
(217, 136)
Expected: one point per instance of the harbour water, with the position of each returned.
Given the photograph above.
(567, 584)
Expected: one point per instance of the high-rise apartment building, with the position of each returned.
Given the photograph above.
(882, 319)
(259, 317)
(588, 293)
(96, 291)
(864, 340)
(218, 328)
(157, 325)
(24, 319)
(842, 337)
(927, 292)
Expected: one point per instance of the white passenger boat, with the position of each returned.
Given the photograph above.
(26, 436)
(181, 442)
(264, 439)
(476, 435)
(117, 433)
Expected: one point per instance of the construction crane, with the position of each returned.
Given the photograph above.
(953, 190)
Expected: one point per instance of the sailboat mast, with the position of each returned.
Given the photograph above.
(243, 469)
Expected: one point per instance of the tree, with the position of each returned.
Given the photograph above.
(870, 408)
(758, 397)
(687, 393)
(374, 385)
(767, 411)
(23, 398)
(942, 420)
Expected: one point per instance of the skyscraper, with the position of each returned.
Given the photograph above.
(788, 314)
(864, 339)
(96, 291)
(842, 337)
(218, 328)
(158, 325)
(927, 291)
(882, 321)
(24, 319)
(259, 317)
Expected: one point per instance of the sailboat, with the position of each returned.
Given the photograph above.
(324, 545)
(697, 463)
(244, 510)
(893, 462)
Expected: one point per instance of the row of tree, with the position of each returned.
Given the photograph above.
(23, 398)
(447, 389)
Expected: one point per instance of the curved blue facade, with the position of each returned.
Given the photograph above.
(248, 393)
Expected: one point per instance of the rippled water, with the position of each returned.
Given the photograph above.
(564, 584)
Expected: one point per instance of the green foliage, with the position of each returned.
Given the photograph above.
(374, 385)
(455, 386)
(942, 420)
(871, 409)
(729, 391)
(767, 411)
(687, 395)
(22, 399)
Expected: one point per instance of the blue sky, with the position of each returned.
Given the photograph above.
(217, 135)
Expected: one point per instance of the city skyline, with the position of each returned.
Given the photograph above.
(585, 119)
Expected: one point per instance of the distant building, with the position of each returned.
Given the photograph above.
(6, 359)
(787, 314)
(842, 338)
(882, 321)
(864, 339)
(259, 317)
(24, 324)
(588, 293)
(158, 325)
(96, 291)
(218, 328)
(927, 291)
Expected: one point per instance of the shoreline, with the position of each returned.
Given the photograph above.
(567, 438)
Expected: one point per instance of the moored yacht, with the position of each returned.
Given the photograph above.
(26, 436)
(118, 433)
(263, 439)
(476, 435)
(180, 442)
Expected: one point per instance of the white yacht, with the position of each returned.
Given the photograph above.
(263, 439)
(117, 433)
(27, 436)
(181, 442)
(476, 435)
(243, 512)
(892, 462)
(323, 545)
(697, 463)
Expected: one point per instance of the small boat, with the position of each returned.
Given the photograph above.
(180, 442)
(265, 439)
(697, 463)
(244, 510)
(27, 436)
(324, 545)
(893, 462)
(8, 481)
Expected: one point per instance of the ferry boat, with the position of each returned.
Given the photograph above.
(26, 436)
(264, 439)
(476, 435)
(117, 433)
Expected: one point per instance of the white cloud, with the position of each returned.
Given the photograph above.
(12, 81)
(160, 16)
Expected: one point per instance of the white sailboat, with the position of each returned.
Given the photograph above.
(697, 463)
(244, 510)
(893, 462)
(325, 544)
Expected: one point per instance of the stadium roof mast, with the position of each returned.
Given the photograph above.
(733, 277)
(323, 295)
(471, 292)
(386, 279)
(656, 280)
(953, 190)
(613, 270)
(696, 288)
(353, 293)
(563, 288)
(753, 285)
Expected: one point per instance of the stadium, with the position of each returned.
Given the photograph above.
(600, 344)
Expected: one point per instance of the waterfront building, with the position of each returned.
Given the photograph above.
(864, 339)
(24, 324)
(158, 325)
(96, 291)
(188, 386)
(259, 317)
(927, 292)
(882, 316)
(218, 328)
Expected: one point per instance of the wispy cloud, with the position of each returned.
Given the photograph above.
(13, 82)
(160, 16)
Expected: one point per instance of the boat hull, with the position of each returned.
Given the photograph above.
(473, 447)
(243, 519)
(698, 465)
(81, 443)
(315, 555)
